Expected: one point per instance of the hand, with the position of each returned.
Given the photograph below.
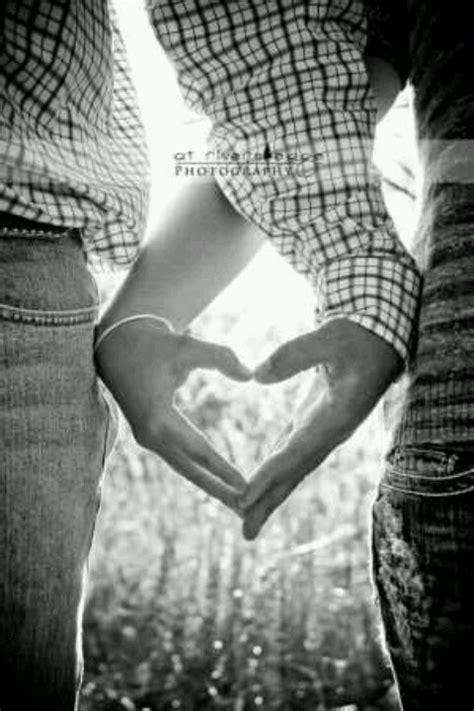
(357, 367)
(143, 363)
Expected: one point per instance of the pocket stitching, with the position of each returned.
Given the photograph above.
(428, 495)
(48, 317)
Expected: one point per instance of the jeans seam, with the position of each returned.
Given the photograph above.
(442, 462)
(428, 495)
(446, 477)
(39, 317)
(423, 450)
(27, 233)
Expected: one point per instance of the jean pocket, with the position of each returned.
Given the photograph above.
(45, 281)
(428, 472)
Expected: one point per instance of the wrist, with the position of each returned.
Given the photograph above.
(107, 327)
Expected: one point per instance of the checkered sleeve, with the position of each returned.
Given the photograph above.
(293, 119)
(72, 144)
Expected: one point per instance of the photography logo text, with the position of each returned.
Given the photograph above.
(267, 163)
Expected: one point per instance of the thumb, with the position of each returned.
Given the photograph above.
(211, 356)
(301, 353)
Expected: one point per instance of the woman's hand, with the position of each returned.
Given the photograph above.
(143, 363)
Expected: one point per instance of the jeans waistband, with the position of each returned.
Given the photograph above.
(9, 222)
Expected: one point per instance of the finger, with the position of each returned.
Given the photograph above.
(197, 448)
(305, 403)
(308, 446)
(201, 478)
(303, 451)
(202, 354)
(328, 423)
(301, 353)
(258, 514)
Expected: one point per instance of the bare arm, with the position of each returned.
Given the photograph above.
(195, 252)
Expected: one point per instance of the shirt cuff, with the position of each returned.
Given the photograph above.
(378, 291)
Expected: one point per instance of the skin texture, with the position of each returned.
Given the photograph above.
(200, 246)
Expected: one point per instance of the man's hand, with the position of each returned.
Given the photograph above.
(358, 366)
(142, 364)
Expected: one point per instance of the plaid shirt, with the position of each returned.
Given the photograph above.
(285, 87)
(293, 121)
(72, 146)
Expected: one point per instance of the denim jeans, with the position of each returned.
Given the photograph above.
(54, 433)
(423, 566)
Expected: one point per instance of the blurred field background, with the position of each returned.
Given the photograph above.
(182, 613)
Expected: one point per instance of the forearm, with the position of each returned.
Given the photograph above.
(199, 247)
